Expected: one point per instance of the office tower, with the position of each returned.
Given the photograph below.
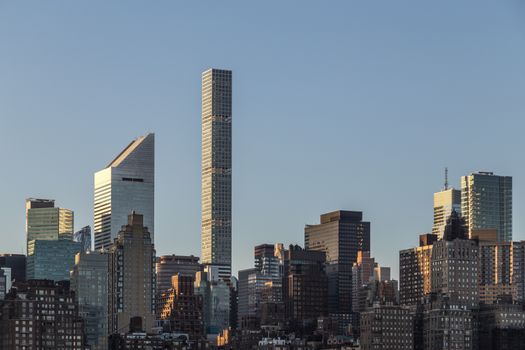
(51, 259)
(168, 266)
(89, 281)
(414, 271)
(387, 327)
(305, 284)
(486, 203)
(180, 309)
(83, 236)
(444, 202)
(216, 235)
(341, 235)
(448, 325)
(46, 222)
(216, 301)
(244, 290)
(266, 262)
(5, 281)
(17, 264)
(131, 286)
(454, 264)
(127, 184)
(41, 314)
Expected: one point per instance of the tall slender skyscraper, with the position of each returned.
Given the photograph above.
(216, 234)
(127, 184)
(486, 203)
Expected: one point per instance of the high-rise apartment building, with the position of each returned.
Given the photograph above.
(127, 184)
(216, 234)
(180, 309)
(41, 314)
(89, 281)
(131, 286)
(486, 203)
(168, 266)
(341, 235)
(387, 327)
(444, 203)
(414, 271)
(454, 264)
(46, 222)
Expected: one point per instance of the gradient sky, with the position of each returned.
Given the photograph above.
(354, 105)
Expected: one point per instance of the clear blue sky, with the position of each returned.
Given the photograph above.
(354, 105)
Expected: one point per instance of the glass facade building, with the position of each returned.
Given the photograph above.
(89, 281)
(51, 260)
(216, 234)
(486, 203)
(127, 184)
(46, 222)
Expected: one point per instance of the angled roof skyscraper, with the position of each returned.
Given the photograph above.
(126, 184)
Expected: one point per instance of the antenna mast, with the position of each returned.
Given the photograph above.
(446, 178)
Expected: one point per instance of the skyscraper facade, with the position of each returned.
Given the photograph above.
(131, 286)
(51, 259)
(126, 184)
(444, 202)
(46, 222)
(341, 235)
(415, 272)
(455, 265)
(89, 281)
(486, 203)
(216, 233)
(168, 266)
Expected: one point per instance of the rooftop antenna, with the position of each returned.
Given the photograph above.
(446, 178)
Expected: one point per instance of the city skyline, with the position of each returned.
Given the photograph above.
(292, 164)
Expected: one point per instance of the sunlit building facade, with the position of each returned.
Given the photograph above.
(46, 222)
(216, 233)
(126, 184)
(444, 202)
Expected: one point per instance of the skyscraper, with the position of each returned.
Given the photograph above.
(486, 203)
(131, 286)
(126, 184)
(89, 281)
(444, 202)
(168, 266)
(341, 235)
(415, 271)
(454, 264)
(216, 234)
(51, 259)
(46, 222)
